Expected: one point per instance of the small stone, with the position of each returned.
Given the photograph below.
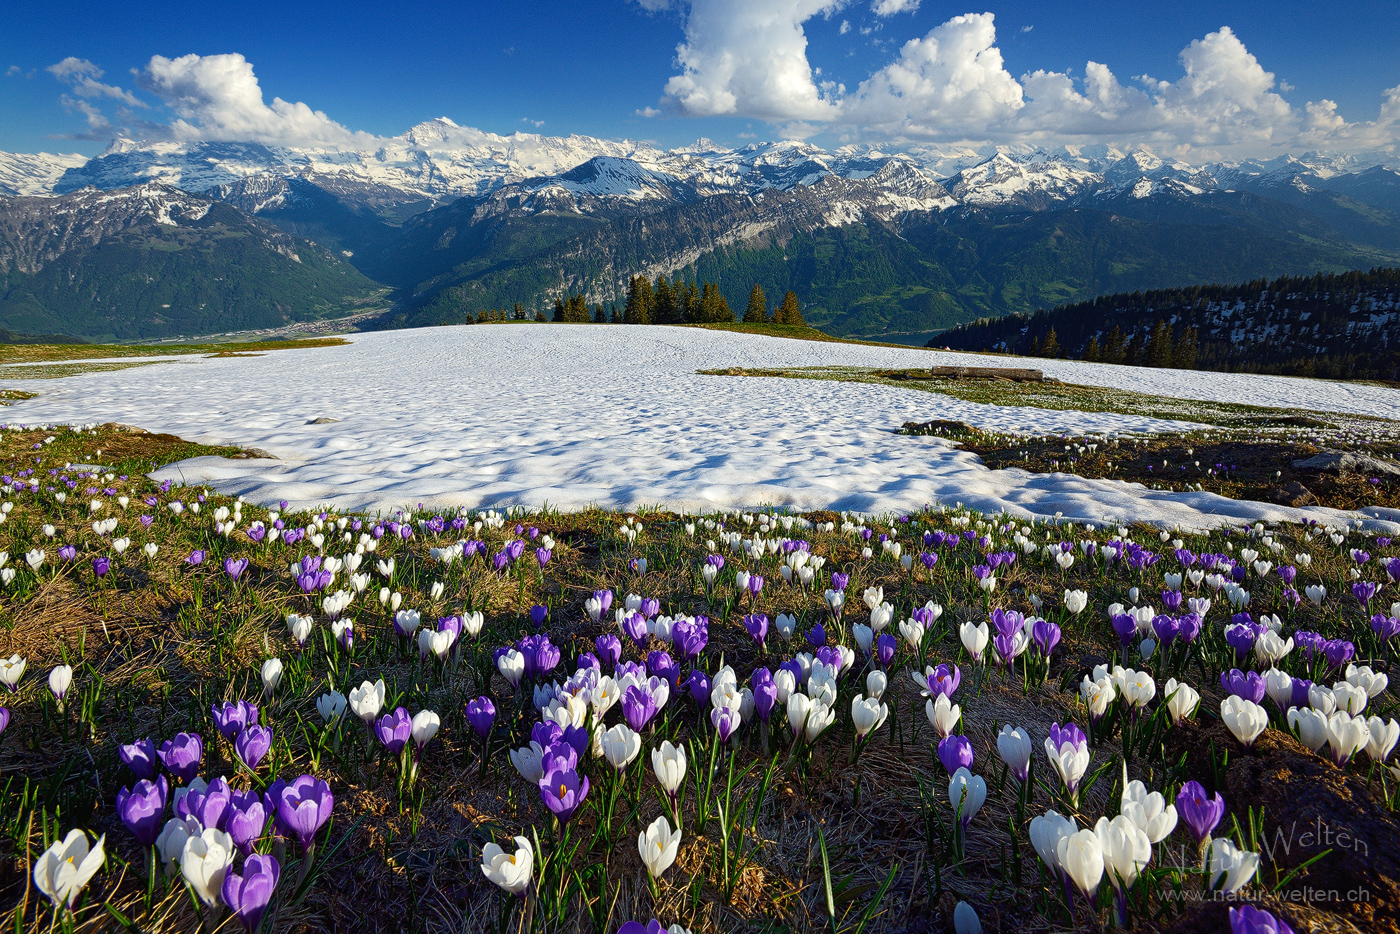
(323, 420)
(1295, 495)
(1343, 462)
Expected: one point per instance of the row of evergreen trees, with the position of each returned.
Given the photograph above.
(675, 302)
(1161, 348)
(1338, 326)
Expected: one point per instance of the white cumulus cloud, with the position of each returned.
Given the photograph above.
(950, 83)
(891, 7)
(81, 75)
(217, 97)
(750, 57)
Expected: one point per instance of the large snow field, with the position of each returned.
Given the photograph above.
(616, 416)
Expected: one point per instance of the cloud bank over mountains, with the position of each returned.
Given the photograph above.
(750, 59)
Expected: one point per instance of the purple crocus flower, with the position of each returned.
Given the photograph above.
(142, 808)
(481, 714)
(182, 755)
(1392, 569)
(589, 660)
(829, 656)
(839, 581)
(634, 627)
(257, 532)
(1069, 733)
(945, 680)
(1309, 643)
(1007, 622)
(726, 722)
(139, 756)
(546, 733)
(1301, 686)
(1188, 626)
(542, 555)
(699, 685)
(755, 584)
(1288, 573)
(1338, 652)
(1387, 627)
(1125, 625)
(660, 663)
(576, 738)
(1241, 638)
(1199, 813)
(210, 807)
(538, 614)
(304, 806)
(638, 707)
(609, 649)
(1365, 591)
(68, 552)
(885, 646)
(757, 625)
(1247, 919)
(955, 752)
(816, 636)
(394, 730)
(765, 692)
(690, 638)
(650, 607)
(246, 819)
(232, 717)
(249, 894)
(1045, 635)
(253, 744)
(234, 567)
(100, 566)
(563, 792)
(1248, 685)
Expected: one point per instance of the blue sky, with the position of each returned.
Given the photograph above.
(590, 67)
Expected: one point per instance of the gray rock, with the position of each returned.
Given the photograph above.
(323, 420)
(1344, 462)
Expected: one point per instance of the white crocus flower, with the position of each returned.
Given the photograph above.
(511, 871)
(658, 846)
(205, 861)
(63, 870)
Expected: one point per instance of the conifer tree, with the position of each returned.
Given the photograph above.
(600, 316)
(689, 303)
(639, 301)
(789, 312)
(1114, 348)
(559, 310)
(1159, 346)
(1050, 347)
(757, 312)
(1091, 350)
(663, 307)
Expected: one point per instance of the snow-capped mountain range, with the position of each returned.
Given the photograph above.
(439, 161)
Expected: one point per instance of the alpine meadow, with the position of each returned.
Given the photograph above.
(764, 467)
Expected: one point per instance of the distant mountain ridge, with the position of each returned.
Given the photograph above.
(876, 243)
(153, 261)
